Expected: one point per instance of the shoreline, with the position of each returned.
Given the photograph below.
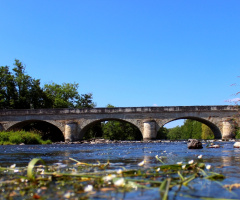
(107, 141)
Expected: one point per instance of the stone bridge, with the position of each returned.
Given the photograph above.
(73, 123)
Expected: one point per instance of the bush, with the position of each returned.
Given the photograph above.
(15, 139)
(31, 138)
(19, 137)
(46, 142)
(4, 136)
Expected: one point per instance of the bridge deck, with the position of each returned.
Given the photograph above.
(64, 111)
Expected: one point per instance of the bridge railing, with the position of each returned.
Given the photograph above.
(62, 111)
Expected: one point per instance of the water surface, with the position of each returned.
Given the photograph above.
(224, 160)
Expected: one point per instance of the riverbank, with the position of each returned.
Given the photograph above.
(106, 141)
(25, 138)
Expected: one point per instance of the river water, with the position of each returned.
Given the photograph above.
(224, 160)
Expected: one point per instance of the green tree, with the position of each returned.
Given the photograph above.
(85, 101)
(95, 131)
(237, 133)
(191, 129)
(110, 106)
(175, 133)
(67, 96)
(162, 133)
(19, 90)
(23, 86)
(38, 98)
(197, 129)
(207, 133)
(62, 96)
(29, 92)
(119, 130)
(8, 93)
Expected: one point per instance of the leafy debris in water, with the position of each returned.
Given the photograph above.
(82, 180)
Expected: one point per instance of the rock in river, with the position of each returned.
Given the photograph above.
(212, 145)
(194, 144)
(236, 145)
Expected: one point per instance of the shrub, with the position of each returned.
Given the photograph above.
(31, 138)
(15, 139)
(19, 137)
(46, 142)
(4, 136)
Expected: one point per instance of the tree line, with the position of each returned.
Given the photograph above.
(190, 129)
(18, 90)
(120, 130)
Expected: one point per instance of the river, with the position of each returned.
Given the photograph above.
(224, 160)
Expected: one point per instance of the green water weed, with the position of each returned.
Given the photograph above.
(76, 181)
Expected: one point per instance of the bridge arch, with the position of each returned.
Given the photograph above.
(86, 126)
(49, 130)
(213, 126)
(221, 119)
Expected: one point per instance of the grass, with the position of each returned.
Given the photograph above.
(18, 137)
(81, 180)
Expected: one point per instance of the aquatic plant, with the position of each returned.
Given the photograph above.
(81, 180)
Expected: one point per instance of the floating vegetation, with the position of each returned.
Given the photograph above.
(82, 180)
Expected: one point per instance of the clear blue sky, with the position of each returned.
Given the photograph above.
(128, 52)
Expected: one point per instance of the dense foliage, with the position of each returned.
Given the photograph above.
(114, 130)
(207, 132)
(190, 129)
(18, 137)
(20, 91)
(121, 131)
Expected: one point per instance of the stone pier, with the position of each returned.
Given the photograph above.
(71, 132)
(149, 130)
(228, 129)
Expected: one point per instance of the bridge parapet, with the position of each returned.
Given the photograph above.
(64, 111)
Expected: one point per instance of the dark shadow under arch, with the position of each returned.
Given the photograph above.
(216, 131)
(45, 129)
(98, 129)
